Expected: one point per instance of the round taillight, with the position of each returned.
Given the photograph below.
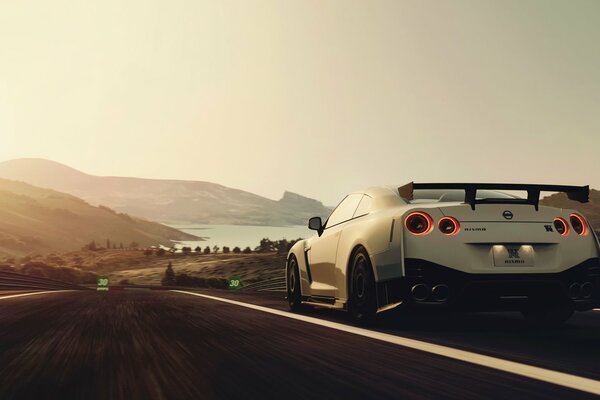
(561, 226)
(579, 225)
(449, 226)
(418, 223)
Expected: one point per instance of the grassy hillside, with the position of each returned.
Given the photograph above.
(35, 220)
(591, 210)
(173, 201)
(136, 268)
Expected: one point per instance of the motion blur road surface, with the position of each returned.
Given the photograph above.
(149, 344)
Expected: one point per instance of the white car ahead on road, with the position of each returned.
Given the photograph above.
(449, 246)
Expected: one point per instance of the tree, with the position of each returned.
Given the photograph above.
(169, 278)
(237, 250)
(207, 250)
(186, 250)
(215, 249)
(148, 252)
(92, 245)
(247, 250)
(134, 245)
(198, 249)
(226, 250)
(282, 246)
(107, 244)
(121, 245)
(114, 245)
(265, 246)
(160, 252)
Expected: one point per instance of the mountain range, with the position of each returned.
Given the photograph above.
(590, 210)
(189, 202)
(167, 201)
(36, 220)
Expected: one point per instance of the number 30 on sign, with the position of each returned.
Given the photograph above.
(234, 283)
(102, 283)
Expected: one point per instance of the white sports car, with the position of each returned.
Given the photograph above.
(449, 246)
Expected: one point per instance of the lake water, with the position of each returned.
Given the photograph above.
(240, 235)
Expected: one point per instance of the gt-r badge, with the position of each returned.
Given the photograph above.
(513, 253)
(507, 215)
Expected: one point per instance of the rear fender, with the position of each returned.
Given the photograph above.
(373, 234)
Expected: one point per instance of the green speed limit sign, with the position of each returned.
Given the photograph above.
(234, 283)
(102, 283)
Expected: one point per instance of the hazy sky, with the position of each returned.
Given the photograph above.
(317, 97)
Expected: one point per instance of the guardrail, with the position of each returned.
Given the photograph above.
(16, 281)
(269, 285)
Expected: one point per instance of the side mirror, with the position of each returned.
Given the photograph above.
(315, 224)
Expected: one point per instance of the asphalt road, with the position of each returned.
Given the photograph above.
(144, 344)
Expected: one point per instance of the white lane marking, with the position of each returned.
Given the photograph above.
(512, 367)
(32, 294)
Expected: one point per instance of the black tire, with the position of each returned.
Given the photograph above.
(294, 295)
(362, 299)
(547, 317)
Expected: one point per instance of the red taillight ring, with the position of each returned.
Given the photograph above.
(454, 221)
(564, 223)
(584, 225)
(416, 214)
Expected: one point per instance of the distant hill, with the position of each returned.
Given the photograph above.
(36, 220)
(170, 201)
(591, 210)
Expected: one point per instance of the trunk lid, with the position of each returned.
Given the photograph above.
(508, 213)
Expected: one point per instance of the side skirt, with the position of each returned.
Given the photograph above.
(325, 302)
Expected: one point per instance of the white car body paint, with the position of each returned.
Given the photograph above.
(323, 261)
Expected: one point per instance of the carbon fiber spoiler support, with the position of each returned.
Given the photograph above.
(577, 193)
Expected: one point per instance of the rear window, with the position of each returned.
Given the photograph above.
(454, 195)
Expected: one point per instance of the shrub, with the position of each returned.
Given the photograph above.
(169, 279)
(7, 268)
(217, 283)
(63, 274)
(183, 279)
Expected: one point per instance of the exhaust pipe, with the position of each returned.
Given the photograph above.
(440, 293)
(420, 292)
(587, 289)
(574, 290)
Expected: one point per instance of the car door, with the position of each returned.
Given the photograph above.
(323, 250)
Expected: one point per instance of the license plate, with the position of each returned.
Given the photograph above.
(513, 255)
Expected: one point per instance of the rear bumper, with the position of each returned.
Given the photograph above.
(500, 292)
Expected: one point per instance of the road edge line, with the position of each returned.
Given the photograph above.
(512, 367)
(11, 296)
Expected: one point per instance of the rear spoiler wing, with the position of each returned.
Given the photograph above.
(577, 193)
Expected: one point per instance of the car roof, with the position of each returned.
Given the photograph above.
(381, 191)
(383, 196)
